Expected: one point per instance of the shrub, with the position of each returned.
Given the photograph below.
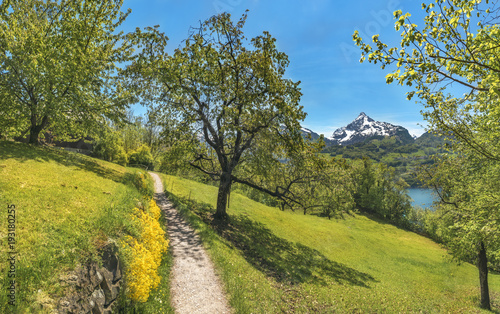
(141, 156)
(140, 180)
(145, 253)
(110, 147)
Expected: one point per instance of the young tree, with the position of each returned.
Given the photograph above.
(469, 196)
(233, 94)
(58, 65)
(456, 50)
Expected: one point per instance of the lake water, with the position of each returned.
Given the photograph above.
(422, 197)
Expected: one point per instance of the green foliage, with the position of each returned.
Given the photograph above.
(427, 222)
(141, 181)
(179, 146)
(110, 148)
(138, 131)
(59, 63)
(378, 191)
(470, 196)
(406, 159)
(127, 143)
(141, 156)
(232, 92)
(325, 186)
(175, 159)
(133, 133)
(457, 45)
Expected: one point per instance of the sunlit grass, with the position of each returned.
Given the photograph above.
(274, 261)
(67, 205)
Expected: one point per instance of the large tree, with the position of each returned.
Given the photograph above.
(59, 65)
(452, 65)
(233, 94)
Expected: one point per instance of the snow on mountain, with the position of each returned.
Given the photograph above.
(364, 127)
(309, 133)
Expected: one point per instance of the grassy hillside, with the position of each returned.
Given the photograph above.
(273, 261)
(66, 206)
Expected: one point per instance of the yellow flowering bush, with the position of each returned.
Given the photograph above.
(146, 252)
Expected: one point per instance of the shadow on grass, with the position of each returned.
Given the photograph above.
(285, 261)
(23, 152)
(495, 302)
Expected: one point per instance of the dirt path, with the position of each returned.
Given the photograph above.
(194, 287)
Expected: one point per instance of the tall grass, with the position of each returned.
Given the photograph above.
(273, 261)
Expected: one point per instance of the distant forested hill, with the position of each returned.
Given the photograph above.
(404, 157)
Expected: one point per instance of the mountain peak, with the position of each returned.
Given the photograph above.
(364, 127)
(364, 116)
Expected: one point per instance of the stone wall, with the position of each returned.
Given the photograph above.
(93, 289)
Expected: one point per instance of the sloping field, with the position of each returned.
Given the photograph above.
(66, 206)
(274, 261)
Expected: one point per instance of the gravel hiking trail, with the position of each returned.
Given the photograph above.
(194, 286)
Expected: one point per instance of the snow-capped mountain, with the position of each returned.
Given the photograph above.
(364, 127)
(306, 132)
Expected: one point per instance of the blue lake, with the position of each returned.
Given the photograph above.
(422, 197)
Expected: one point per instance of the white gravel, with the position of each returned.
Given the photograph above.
(195, 287)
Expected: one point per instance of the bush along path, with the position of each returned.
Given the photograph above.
(194, 287)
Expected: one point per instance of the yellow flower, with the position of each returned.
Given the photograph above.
(146, 252)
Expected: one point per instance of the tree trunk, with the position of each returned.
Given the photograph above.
(34, 134)
(222, 196)
(482, 265)
(36, 129)
(229, 194)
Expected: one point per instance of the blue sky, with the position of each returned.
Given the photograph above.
(317, 37)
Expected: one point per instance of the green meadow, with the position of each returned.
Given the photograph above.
(275, 261)
(67, 206)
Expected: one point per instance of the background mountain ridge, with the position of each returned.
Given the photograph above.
(361, 129)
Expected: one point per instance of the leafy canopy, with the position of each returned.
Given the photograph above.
(59, 65)
(455, 51)
(231, 95)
